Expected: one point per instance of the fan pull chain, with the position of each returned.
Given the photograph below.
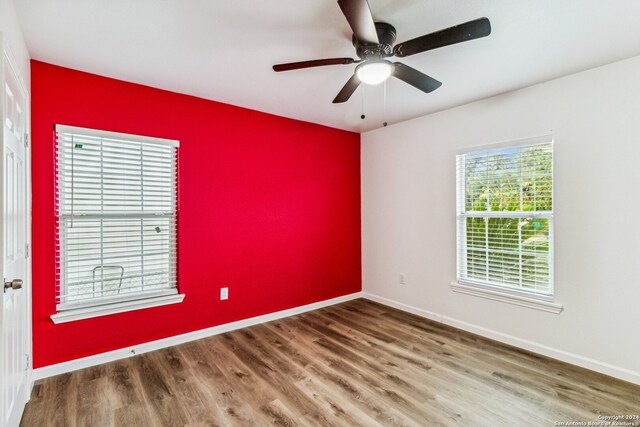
(362, 116)
(384, 104)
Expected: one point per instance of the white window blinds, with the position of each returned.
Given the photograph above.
(505, 217)
(116, 212)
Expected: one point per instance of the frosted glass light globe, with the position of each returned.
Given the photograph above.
(374, 72)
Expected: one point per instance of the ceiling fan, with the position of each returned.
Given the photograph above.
(374, 42)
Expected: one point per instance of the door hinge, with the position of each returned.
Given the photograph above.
(28, 361)
(26, 140)
(26, 251)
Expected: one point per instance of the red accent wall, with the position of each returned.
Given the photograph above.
(268, 206)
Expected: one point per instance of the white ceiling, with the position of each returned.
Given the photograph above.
(224, 50)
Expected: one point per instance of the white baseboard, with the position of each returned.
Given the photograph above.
(85, 362)
(564, 356)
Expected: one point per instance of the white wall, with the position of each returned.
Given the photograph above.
(408, 215)
(12, 36)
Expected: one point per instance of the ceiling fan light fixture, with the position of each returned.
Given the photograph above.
(374, 72)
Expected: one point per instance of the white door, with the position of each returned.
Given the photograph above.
(15, 326)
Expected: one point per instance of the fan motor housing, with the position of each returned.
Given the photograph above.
(386, 36)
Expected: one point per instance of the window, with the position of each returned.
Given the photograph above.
(505, 219)
(116, 221)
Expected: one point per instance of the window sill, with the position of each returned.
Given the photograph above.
(515, 297)
(120, 307)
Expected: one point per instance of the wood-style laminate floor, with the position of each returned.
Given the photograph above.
(357, 363)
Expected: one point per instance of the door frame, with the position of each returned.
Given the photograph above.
(7, 56)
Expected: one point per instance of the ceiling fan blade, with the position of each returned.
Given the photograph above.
(415, 78)
(314, 63)
(358, 15)
(459, 33)
(347, 90)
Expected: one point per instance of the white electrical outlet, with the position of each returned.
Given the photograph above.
(403, 279)
(224, 293)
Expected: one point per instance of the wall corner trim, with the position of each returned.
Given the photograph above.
(110, 356)
(554, 353)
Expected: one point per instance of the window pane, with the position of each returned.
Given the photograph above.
(116, 218)
(476, 183)
(509, 179)
(495, 247)
(109, 176)
(537, 189)
(497, 190)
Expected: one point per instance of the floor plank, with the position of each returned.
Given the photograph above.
(354, 364)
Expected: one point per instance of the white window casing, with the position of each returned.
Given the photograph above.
(116, 210)
(504, 222)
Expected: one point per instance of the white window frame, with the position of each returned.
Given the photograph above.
(120, 303)
(494, 291)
